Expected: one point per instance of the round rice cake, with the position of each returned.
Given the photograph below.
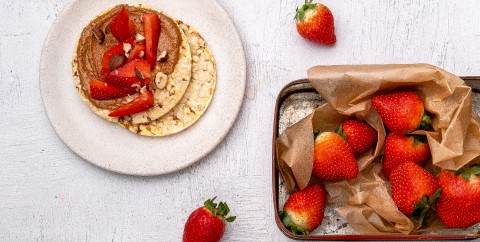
(197, 96)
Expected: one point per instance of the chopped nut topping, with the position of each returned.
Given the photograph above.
(161, 80)
(139, 74)
(116, 61)
(98, 34)
(127, 48)
(163, 56)
(142, 54)
(139, 38)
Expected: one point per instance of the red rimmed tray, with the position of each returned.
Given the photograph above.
(295, 101)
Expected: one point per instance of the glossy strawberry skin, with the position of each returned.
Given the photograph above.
(409, 183)
(359, 135)
(151, 25)
(121, 26)
(315, 23)
(333, 158)
(401, 148)
(459, 204)
(137, 105)
(303, 212)
(114, 50)
(126, 75)
(401, 112)
(100, 90)
(201, 226)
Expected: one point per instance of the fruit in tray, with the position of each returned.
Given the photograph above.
(401, 112)
(459, 206)
(303, 211)
(359, 135)
(207, 223)
(414, 189)
(400, 148)
(333, 158)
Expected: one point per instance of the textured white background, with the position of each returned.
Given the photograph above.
(48, 193)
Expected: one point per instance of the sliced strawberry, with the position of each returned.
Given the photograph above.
(138, 52)
(121, 26)
(151, 27)
(115, 50)
(126, 76)
(100, 90)
(139, 104)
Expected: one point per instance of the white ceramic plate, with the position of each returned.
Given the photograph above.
(114, 148)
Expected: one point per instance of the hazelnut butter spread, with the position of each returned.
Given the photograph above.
(96, 39)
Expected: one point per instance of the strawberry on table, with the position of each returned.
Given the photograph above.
(100, 90)
(131, 74)
(359, 135)
(207, 223)
(303, 211)
(401, 112)
(400, 148)
(315, 23)
(139, 104)
(459, 205)
(114, 50)
(333, 158)
(121, 26)
(414, 190)
(151, 25)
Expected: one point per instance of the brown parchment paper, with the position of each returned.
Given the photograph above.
(366, 202)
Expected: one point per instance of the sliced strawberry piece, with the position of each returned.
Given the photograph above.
(115, 50)
(127, 77)
(121, 26)
(136, 52)
(151, 27)
(139, 104)
(100, 90)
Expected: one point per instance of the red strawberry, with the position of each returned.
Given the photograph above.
(131, 74)
(151, 25)
(359, 135)
(414, 189)
(303, 211)
(139, 104)
(333, 158)
(100, 90)
(315, 23)
(207, 223)
(401, 148)
(401, 112)
(138, 52)
(121, 26)
(459, 205)
(114, 50)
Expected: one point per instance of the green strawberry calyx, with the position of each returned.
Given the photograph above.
(422, 207)
(426, 121)
(302, 10)
(340, 132)
(290, 225)
(221, 210)
(422, 139)
(468, 172)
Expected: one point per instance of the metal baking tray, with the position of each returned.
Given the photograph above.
(297, 100)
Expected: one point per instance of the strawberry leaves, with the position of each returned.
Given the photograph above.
(290, 225)
(422, 207)
(221, 210)
(300, 15)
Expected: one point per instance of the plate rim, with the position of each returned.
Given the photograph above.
(225, 132)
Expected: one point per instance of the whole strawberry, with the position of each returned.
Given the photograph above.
(333, 158)
(359, 135)
(400, 148)
(207, 223)
(303, 211)
(401, 112)
(315, 23)
(459, 205)
(414, 189)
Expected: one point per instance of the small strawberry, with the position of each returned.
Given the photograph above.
(359, 135)
(401, 112)
(303, 211)
(121, 26)
(459, 205)
(414, 190)
(401, 148)
(333, 158)
(315, 23)
(207, 223)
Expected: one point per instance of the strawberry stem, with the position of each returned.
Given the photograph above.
(422, 207)
(221, 210)
(340, 132)
(468, 172)
(290, 225)
(426, 121)
(300, 15)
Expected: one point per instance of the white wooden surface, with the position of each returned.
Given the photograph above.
(47, 193)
